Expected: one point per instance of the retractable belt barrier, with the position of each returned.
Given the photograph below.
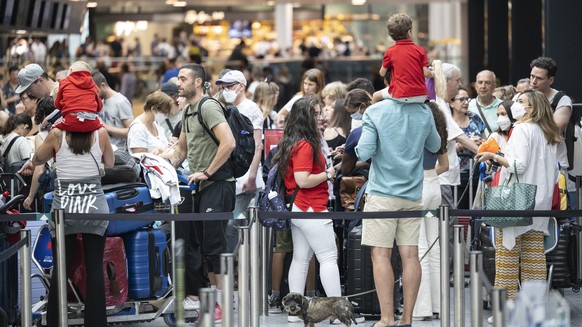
(252, 244)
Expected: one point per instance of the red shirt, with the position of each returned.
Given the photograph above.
(302, 160)
(78, 93)
(407, 61)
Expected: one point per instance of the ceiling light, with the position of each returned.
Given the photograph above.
(180, 4)
(91, 4)
(358, 2)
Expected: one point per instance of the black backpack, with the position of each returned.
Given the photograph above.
(570, 136)
(242, 130)
(274, 198)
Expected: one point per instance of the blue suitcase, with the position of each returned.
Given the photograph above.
(147, 263)
(132, 198)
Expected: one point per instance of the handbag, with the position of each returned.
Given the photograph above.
(518, 196)
(349, 188)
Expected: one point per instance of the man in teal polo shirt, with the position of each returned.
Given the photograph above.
(394, 136)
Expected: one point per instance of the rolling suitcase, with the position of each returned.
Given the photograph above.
(564, 258)
(147, 263)
(8, 286)
(360, 276)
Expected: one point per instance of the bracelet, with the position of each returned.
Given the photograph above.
(206, 174)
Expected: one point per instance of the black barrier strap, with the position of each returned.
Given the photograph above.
(12, 250)
(516, 213)
(305, 215)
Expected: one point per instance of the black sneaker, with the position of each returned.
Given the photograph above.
(275, 305)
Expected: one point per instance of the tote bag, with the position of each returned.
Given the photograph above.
(518, 196)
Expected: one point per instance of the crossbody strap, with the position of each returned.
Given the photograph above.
(483, 115)
(7, 151)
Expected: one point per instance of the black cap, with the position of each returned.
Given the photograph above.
(169, 88)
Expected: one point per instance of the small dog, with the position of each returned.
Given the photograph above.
(314, 310)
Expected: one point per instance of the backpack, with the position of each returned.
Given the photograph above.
(274, 199)
(242, 130)
(570, 133)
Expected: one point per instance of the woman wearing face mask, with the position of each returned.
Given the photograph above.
(145, 134)
(531, 151)
(356, 102)
(505, 122)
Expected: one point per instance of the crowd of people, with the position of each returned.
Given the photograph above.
(414, 148)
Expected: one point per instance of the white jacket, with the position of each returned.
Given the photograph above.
(161, 178)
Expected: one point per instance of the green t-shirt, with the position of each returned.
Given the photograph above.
(201, 147)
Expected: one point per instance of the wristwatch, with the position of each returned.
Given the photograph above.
(328, 175)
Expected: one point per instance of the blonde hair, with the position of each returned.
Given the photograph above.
(265, 97)
(335, 91)
(79, 66)
(541, 114)
(159, 100)
(440, 81)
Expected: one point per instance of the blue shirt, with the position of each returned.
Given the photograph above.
(352, 141)
(394, 135)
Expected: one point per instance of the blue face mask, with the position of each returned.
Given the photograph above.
(356, 116)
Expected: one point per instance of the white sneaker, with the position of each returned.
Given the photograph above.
(293, 319)
(190, 304)
(490, 320)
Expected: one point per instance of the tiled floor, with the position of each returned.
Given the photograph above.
(278, 320)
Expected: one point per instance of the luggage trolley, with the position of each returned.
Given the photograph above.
(147, 254)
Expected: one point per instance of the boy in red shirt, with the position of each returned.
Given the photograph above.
(79, 101)
(407, 61)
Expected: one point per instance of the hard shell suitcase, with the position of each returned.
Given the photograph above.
(360, 275)
(8, 286)
(147, 263)
(564, 259)
(114, 271)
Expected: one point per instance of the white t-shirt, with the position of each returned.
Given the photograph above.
(289, 104)
(252, 111)
(139, 137)
(452, 176)
(19, 151)
(562, 153)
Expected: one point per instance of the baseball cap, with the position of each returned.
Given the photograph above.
(232, 76)
(169, 88)
(27, 76)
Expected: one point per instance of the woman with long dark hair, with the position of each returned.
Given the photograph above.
(80, 160)
(303, 168)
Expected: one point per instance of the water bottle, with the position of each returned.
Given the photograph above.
(331, 203)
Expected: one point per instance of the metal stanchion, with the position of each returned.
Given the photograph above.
(476, 290)
(498, 306)
(256, 291)
(459, 276)
(471, 168)
(178, 280)
(265, 268)
(444, 243)
(227, 273)
(61, 270)
(207, 305)
(455, 196)
(25, 284)
(579, 221)
(243, 276)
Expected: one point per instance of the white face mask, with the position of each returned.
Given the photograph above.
(503, 122)
(159, 117)
(517, 110)
(356, 116)
(229, 95)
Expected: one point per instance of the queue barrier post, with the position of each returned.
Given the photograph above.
(476, 289)
(445, 270)
(459, 276)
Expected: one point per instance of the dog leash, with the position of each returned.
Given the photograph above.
(399, 279)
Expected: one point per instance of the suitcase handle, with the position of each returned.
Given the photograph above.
(126, 194)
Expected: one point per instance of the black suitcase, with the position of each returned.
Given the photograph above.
(8, 287)
(360, 276)
(485, 245)
(564, 259)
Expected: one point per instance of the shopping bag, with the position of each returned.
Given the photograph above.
(517, 196)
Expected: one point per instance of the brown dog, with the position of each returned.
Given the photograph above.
(314, 310)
